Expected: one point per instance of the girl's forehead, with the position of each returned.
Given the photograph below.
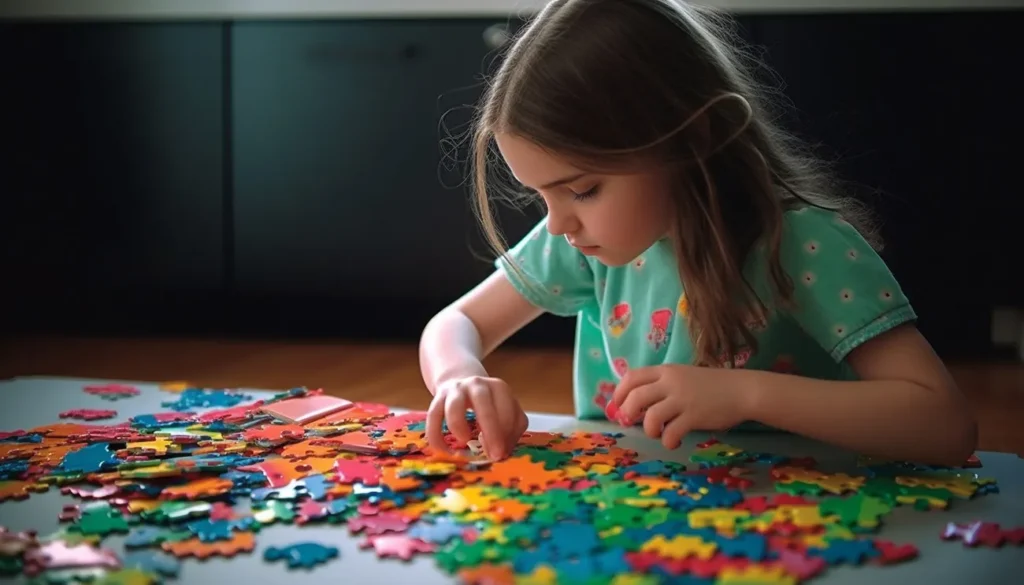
(532, 165)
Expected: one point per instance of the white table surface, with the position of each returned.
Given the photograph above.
(246, 9)
(32, 402)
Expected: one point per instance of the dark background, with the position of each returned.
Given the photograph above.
(285, 179)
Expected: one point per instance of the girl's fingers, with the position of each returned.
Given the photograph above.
(455, 413)
(488, 417)
(675, 431)
(658, 416)
(435, 424)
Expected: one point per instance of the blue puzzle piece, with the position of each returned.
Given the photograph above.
(987, 488)
(153, 562)
(206, 398)
(142, 536)
(716, 496)
(585, 569)
(212, 530)
(149, 422)
(676, 501)
(528, 560)
(91, 458)
(245, 479)
(13, 469)
(304, 554)
(438, 531)
(316, 486)
(29, 438)
(611, 562)
(770, 459)
(650, 468)
(575, 540)
(377, 494)
(750, 545)
(333, 507)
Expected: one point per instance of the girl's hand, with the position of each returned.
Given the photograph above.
(676, 399)
(500, 417)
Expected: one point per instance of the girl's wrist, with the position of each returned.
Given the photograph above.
(465, 369)
(751, 385)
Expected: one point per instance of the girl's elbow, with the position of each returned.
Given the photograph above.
(961, 439)
(968, 442)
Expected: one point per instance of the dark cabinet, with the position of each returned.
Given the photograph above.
(917, 111)
(111, 182)
(346, 184)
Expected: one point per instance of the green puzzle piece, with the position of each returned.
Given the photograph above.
(10, 566)
(549, 457)
(100, 520)
(554, 505)
(458, 554)
(799, 488)
(610, 492)
(858, 512)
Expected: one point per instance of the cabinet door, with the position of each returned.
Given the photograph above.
(917, 110)
(111, 168)
(341, 187)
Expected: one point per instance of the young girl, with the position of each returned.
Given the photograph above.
(716, 275)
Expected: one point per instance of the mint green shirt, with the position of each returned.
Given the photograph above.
(630, 316)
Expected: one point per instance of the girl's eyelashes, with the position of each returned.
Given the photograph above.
(533, 193)
(586, 194)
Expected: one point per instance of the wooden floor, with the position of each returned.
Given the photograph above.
(390, 373)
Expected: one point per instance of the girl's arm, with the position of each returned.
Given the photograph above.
(905, 406)
(455, 342)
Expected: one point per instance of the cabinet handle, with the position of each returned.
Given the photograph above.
(497, 36)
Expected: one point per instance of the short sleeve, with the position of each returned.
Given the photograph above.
(844, 292)
(549, 272)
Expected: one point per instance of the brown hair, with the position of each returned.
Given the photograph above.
(613, 84)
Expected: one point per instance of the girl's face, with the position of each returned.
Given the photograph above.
(614, 218)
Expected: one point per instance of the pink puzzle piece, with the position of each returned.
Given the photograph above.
(352, 470)
(58, 555)
(379, 523)
(306, 409)
(397, 546)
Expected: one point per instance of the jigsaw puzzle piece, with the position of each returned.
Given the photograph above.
(989, 534)
(304, 555)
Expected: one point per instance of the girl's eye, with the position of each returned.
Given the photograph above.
(586, 194)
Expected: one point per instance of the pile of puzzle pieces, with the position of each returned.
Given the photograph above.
(206, 476)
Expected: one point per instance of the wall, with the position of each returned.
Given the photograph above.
(193, 175)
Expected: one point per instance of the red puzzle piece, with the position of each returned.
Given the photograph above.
(88, 414)
(986, 533)
(112, 390)
(353, 470)
(890, 553)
